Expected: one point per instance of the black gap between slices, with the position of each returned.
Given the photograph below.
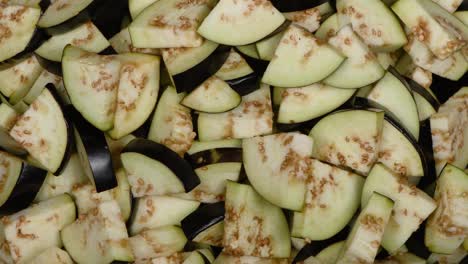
(203, 218)
(99, 156)
(445, 88)
(415, 243)
(180, 167)
(425, 141)
(190, 79)
(315, 247)
(297, 5)
(25, 190)
(216, 155)
(415, 87)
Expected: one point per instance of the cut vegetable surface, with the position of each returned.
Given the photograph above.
(61, 10)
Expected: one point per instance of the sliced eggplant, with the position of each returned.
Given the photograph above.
(18, 27)
(355, 146)
(412, 206)
(374, 22)
(309, 18)
(115, 148)
(85, 36)
(363, 242)
(216, 155)
(254, 116)
(459, 256)
(52, 255)
(224, 258)
(328, 28)
(137, 92)
(213, 96)
(122, 43)
(403, 258)
(449, 132)
(450, 5)
(204, 224)
(387, 59)
(156, 243)
(62, 10)
(295, 62)
(45, 133)
(155, 211)
(91, 81)
(442, 32)
(238, 23)
(425, 100)
(393, 93)
(8, 117)
(446, 227)
(136, 6)
(329, 254)
(19, 183)
(234, 67)
(18, 76)
(309, 102)
(277, 166)
(44, 78)
(142, 157)
(176, 20)
(93, 152)
(361, 67)
(333, 194)
(253, 226)
(98, 237)
(266, 47)
(33, 230)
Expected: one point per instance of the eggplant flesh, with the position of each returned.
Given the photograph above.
(217, 155)
(201, 219)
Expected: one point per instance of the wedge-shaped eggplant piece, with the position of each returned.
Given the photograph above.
(212, 96)
(33, 230)
(20, 183)
(400, 152)
(62, 10)
(17, 77)
(355, 146)
(234, 67)
(137, 92)
(44, 78)
(253, 117)
(8, 117)
(426, 101)
(224, 258)
(122, 43)
(201, 146)
(361, 67)
(98, 237)
(172, 123)
(85, 36)
(52, 255)
(449, 130)
(452, 67)
(86, 198)
(159, 242)
(155, 211)
(253, 226)
(44, 132)
(374, 22)
(93, 152)
(446, 228)
(393, 93)
(18, 25)
(266, 47)
(457, 257)
(141, 158)
(434, 26)
(249, 50)
(412, 206)
(363, 242)
(194, 257)
(91, 81)
(176, 20)
(309, 102)
(115, 148)
(404, 257)
(450, 5)
(238, 22)
(73, 174)
(331, 200)
(136, 6)
(277, 166)
(329, 254)
(301, 59)
(205, 224)
(328, 28)
(309, 18)
(405, 66)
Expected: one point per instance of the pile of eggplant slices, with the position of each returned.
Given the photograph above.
(233, 131)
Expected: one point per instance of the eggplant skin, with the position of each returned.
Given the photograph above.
(180, 167)
(212, 156)
(445, 88)
(297, 5)
(26, 188)
(201, 219)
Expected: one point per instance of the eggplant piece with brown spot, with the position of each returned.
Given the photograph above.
(212, 156)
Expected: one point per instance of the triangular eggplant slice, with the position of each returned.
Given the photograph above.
(16, 31)
(8, 117)
(62, 10)
(361, 67)
(207, 219)
(136, 6)
(170, 24)
(53, 255)
(44, 132)
(241, 22)
(301, 59)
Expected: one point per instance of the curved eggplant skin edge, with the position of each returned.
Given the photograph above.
(190, 79)
(26, 188)
(245, 84)
(425, 141)
(181, 168)
(297, 5)
(99, 156)
(201, 219)
(445, 88)
(415, 87)
(212, 156)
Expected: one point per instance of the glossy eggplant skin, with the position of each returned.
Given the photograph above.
(212, 156)
(26, 188)
(425, 141)
(245, 84)
(415, 87)
(201, 219)
(297, 5)
(190, 79)
(99, 156)
(180, 167)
